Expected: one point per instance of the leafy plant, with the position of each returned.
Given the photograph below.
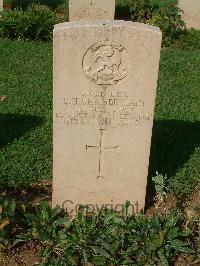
(44, 223)
(102, 238)
(142, 10)
(7, 1)
(110, 238)
(160, 239)
(160, 186)
(167, 18)
(36, 23)
(24, 4)
(11, 221)
(170, 22)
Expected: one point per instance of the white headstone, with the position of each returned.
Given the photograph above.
(91, 9)
(1, 4)
(191, 12)
(105, 79)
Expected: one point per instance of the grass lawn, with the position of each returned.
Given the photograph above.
(26, 115)
(164, 3)
(176, 134)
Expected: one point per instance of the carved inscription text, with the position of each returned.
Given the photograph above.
(105, 109)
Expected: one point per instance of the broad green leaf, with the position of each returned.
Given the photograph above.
(177, 243)
(162, 256)
(172, 233)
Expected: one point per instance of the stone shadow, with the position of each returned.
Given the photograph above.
(13, 126)
(122, 11)
(173, 142)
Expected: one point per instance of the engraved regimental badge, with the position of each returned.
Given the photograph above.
(106, 63)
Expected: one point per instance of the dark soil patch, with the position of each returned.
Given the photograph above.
(169, 203)
(26, 255)
(34, 193)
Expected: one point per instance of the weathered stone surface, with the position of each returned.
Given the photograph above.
(191, 9)
(1, 4)
(104, 96)
(91, 9)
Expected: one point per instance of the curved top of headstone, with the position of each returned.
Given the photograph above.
(100, 22)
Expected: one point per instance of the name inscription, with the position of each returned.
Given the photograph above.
(104, 108)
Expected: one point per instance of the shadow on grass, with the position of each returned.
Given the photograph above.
(173, 142)
(14, 126)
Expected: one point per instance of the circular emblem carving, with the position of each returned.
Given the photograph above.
(106, 63)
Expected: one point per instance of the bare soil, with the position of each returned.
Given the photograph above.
(26, 255)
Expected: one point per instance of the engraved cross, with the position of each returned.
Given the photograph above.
(101, 148)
